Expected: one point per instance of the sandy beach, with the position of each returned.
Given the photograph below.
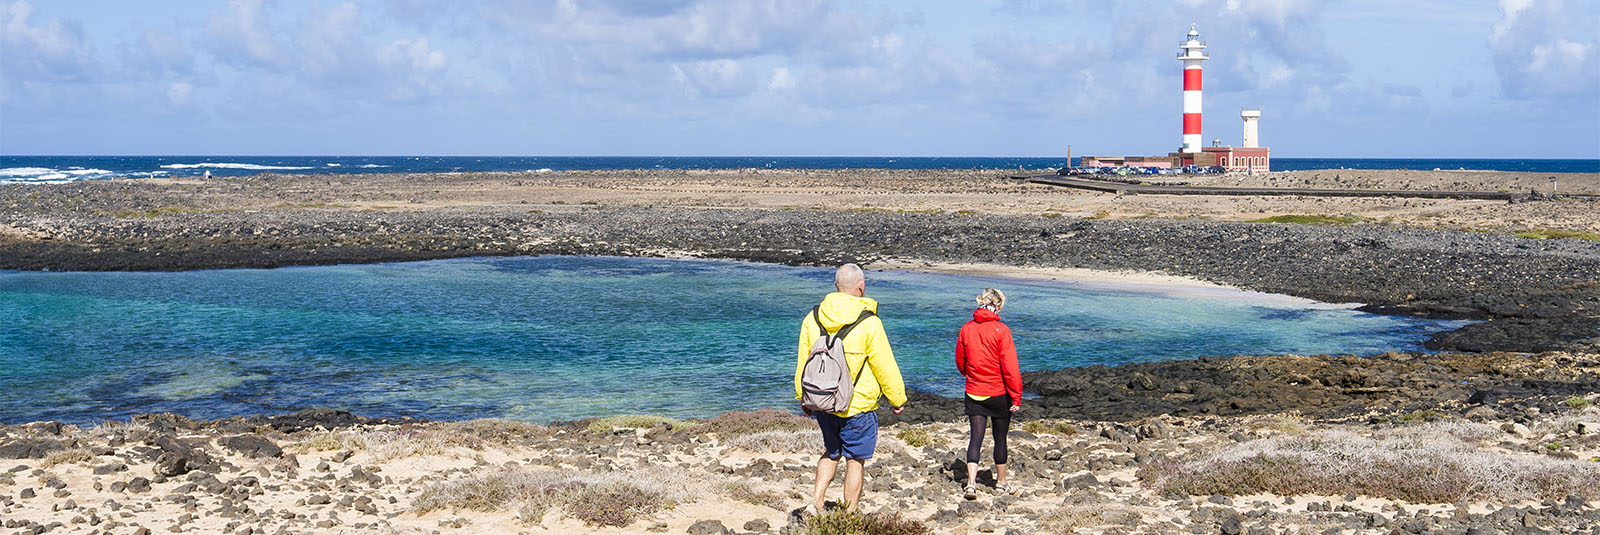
(1154, 448)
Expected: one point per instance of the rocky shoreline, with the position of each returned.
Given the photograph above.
(1540, 295)
(1504, 465)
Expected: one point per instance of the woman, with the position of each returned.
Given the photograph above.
(986, 356)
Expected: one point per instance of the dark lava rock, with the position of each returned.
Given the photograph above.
(139, 484)
(253, 446)
(29, 448)
(707, 527)
(310, 419)
(1231, 526)
(170, 464)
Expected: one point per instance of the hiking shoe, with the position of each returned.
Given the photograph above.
(970, 493)
(1002, 488)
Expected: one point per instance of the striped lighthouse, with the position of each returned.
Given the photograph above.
(1192, 52)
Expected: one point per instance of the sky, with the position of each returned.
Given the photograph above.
(1352, 78)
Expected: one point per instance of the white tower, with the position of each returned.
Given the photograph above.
(1191, 53)
(1250, 117)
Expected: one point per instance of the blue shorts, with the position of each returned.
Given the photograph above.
(853, 438)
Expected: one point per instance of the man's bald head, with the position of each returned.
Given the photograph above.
(849, 279)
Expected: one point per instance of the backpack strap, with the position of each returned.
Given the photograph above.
(846, 330)
(816, 315)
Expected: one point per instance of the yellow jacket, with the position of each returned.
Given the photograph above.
(866, 345)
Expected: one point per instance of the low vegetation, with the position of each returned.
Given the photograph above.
(1551, 234)
(739, 423)
(1309, 219)
(839, 522)
(596, 498)
(917, 437)
(72, 456)
(1041, 427)
(424, 439)
(634, 421)
(1426, 463)
(778, 442)
(1578, 402)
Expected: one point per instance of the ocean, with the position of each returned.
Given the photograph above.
(48, 169)
(556, 337)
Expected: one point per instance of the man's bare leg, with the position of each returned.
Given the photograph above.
(825, 469)
(854, 474)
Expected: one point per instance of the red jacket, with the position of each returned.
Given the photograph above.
(988, 358)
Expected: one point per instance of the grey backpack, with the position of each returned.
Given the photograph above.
(825, 381)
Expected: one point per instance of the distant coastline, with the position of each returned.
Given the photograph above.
(55, 169)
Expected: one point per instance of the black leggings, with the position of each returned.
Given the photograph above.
(1001, 426)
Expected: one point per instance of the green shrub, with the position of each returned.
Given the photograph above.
(1550, 234)
(1577, 402)
(1039, 427)
(916, 437)
(839, 522)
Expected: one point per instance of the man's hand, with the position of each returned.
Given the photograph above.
(1015, 408)
(900, 409)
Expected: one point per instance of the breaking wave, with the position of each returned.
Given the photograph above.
(231, 165)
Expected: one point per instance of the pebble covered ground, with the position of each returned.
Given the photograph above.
(1489, 469)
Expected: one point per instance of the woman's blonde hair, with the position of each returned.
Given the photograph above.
(992, 297)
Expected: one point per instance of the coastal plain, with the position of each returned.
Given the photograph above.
(1228, 444)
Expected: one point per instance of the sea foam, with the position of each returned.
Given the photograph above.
(230, 165)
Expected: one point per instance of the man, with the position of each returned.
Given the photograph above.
(852, 434)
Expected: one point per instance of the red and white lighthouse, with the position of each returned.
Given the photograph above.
(1191, 53)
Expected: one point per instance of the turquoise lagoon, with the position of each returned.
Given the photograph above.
(554, 338)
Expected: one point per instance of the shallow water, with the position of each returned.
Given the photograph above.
(551, 338)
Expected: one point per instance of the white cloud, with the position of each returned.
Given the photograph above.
(178, 93)
(781, 79)
(240, 34)
(52, 49)
(1546, 48)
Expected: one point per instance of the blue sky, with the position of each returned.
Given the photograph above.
(1355, 78)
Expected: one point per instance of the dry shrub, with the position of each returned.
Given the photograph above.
(114, 429)
(918, 437)
(72, 456)
(778, 442)
(839, 522)
(747, 493)
(330, 441)
(616, 504)
(1282, 423)
(733, 424)
(608, 498)
(1430, 463)
(608, 424)
(390, 445)
(496, 430)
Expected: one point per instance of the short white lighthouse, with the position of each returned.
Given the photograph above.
(1192, 52)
